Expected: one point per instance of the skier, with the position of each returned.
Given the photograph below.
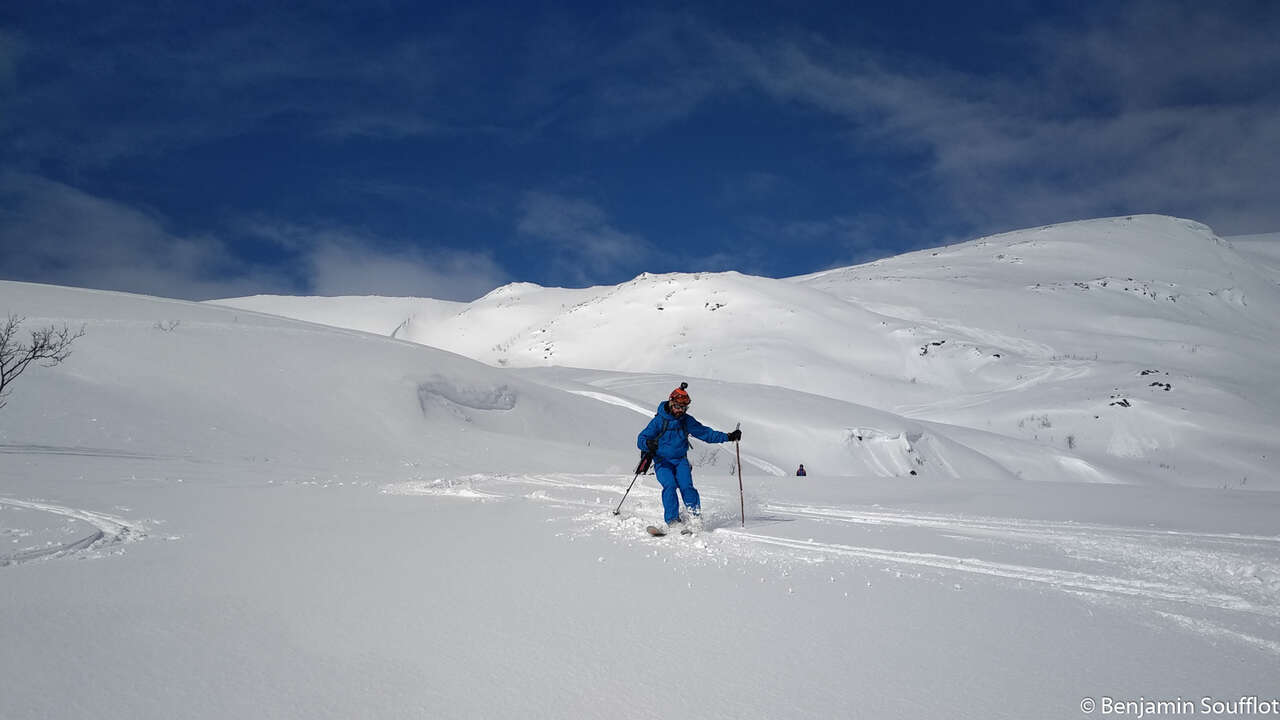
(666, 437)
(801, 472)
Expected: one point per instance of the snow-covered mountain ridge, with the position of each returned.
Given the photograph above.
(1138, 348)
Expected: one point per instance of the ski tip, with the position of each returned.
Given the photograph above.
(655, 531)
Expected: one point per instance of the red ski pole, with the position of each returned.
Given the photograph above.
(742, 503)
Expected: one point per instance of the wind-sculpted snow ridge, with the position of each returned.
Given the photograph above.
(470, 397)
(1218, 583)
(107, 531)
(389, 316)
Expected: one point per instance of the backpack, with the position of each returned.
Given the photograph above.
(646, 458)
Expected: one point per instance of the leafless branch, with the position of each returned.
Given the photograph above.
(49, 346)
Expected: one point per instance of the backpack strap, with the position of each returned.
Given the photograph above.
(667, 423)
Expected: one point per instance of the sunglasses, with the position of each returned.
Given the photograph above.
(679, 405)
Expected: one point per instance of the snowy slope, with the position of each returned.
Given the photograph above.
(1143, 338)
(372, 314)
(1130, 349)
(240, 515)
(224, 381)
(1262, 250)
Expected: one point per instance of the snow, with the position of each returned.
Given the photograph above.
(402, 507)
(1134, 349)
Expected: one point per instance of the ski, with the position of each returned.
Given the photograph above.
(656, 531)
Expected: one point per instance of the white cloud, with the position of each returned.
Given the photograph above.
(1169, 109)
(54, 233)
(343, 269)
(579, 232)
(340, 261)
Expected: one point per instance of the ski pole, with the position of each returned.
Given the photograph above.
(641, 467)
(742, 503)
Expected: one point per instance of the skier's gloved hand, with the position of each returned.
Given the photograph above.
(735, 436)
(652, 444)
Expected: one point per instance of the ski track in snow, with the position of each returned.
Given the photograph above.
(108, 530)
(1005, 525)
(1237, 573)
(614, 400)
(23, 449)
(1172, 591)
(1180, 576)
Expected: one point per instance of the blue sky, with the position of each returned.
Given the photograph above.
(211, 150)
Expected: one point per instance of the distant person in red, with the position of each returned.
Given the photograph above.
(801, 471)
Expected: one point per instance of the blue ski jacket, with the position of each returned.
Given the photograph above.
(673, 434)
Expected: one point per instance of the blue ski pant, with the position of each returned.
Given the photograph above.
(673, 474)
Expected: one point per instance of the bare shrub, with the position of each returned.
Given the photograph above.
(48, 346)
